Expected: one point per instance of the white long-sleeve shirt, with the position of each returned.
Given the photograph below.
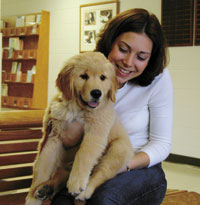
(147, 115)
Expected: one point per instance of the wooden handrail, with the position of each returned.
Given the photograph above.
(21, 118)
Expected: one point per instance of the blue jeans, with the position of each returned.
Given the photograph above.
(145, 186)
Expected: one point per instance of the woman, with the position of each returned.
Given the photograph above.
(134, 43)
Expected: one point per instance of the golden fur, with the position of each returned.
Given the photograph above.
(87, 87)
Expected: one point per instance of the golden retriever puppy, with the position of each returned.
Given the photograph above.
(87, 87)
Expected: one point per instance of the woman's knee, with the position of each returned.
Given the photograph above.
(153, 196)
(146, 186)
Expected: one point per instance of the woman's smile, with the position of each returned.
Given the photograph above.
(122, 71)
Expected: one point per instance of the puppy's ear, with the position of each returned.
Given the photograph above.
(114, 85)
(64, 82)
(112, 91)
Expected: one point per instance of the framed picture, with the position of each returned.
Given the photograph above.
(93, 18)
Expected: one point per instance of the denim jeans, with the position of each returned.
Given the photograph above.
(145, 186)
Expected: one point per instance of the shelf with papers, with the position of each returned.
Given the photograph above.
(25, 59)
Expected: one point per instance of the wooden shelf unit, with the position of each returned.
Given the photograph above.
(23, 91)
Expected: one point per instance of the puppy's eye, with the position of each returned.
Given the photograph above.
(84, 76)
(102, 77)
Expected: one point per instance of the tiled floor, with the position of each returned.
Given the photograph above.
(182, 177)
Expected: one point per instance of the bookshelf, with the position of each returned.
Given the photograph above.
(25, 45)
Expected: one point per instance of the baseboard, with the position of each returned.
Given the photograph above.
(183, 160)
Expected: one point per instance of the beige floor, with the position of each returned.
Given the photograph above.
(182, 177)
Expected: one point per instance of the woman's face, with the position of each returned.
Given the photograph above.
(130, 55)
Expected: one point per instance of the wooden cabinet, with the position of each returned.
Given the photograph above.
(25, 62)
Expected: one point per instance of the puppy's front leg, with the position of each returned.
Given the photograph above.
(117, 155)
(86, 158)
(46, 163)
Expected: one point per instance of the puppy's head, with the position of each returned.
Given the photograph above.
(89, 78)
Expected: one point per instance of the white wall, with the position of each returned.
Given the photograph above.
(184, 64)
(185, 70)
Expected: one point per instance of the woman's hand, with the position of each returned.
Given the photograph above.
(140, 160)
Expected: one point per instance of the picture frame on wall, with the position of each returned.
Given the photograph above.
(93, 18)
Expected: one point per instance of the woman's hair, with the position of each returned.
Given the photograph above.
(138, 21)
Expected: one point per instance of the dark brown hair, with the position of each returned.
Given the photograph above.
(139, 21)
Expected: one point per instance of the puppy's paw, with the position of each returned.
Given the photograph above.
(44, 192)
(86, 194)
(76, 185)
(83, 196)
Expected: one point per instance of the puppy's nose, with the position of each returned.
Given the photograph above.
(95, 94)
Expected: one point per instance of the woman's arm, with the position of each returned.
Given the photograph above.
(160, 120)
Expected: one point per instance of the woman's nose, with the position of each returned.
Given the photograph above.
(128, 60)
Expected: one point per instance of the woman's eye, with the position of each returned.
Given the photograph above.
(123, 50)
(102, 77)
(84, 76)
(141, 58)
